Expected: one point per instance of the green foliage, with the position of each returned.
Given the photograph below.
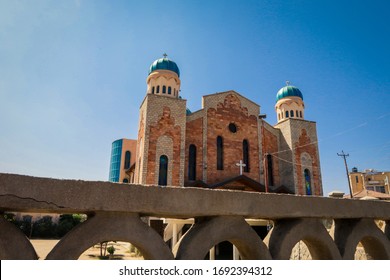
(45, 227)
(111, 250)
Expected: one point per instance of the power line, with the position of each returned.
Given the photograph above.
(346, 169)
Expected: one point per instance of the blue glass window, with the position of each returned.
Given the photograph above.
(164, 89)
(169, 90)
(292, 113)
(163, 171)
(115, 162)
(307, 182)
(286, 114)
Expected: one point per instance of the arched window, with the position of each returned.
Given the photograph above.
(174, 92)
(297, 113)
(163, 171)
(292, 113)
(270, 174)
(125, 180)
(192, 163)
(152, 90)
(308, 189)
(245, 154)
(286, 114)
(169, 90)
(300, 114)
(158, 89)
(127, 160)
(219, 153)
(164, 89)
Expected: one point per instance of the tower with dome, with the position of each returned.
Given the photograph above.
(227, 144)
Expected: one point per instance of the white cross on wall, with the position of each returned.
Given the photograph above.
(241, 165)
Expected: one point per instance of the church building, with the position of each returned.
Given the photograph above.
(227, 144)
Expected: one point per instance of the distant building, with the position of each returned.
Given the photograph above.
(369, 182)
(225, 144)
(123, 155)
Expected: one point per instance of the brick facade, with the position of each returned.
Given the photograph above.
(271, 146)
(231, 111)
(306, 145)
(165, 129)
(194, 132)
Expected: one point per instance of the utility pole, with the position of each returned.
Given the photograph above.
(346, 169)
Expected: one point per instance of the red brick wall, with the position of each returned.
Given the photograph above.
(194, 135)
(304, 145)
(218, 120)
(165, 126)
(270, 146)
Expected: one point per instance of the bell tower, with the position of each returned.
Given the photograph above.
(162, 126)
(289, 103)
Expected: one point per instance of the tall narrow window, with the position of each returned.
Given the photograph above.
(152, 90)
(158, 89)
(164, 89)
(169, 90)
(357, 179)
(245, 154)
(292, 113)
(269, 170)
(286, 114)
(127, 159)
(297, 113)
(163, 171)
(219, 153)
(300, 114)
(306, 174)
(192, 163)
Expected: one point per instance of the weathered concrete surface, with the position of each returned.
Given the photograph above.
(209, 232)
(114, 212)
(111, 226)
(348, 233)
(287, 233)
(32, 194)
(14, 245)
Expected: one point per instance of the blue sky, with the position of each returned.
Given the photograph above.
(72, 74)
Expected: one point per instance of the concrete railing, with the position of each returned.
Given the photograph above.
(115, 210)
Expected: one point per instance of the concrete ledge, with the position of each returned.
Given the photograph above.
(31, 194)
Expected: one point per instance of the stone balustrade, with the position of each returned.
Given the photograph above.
(115, 210)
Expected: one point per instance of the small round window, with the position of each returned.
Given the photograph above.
(232, 128)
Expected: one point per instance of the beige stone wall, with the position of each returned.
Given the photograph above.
(287, 169)
(163, 116)
(301, 137)
(163, 78)
(292, 103)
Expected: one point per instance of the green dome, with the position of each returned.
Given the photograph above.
(164, 64)
(288, 91)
